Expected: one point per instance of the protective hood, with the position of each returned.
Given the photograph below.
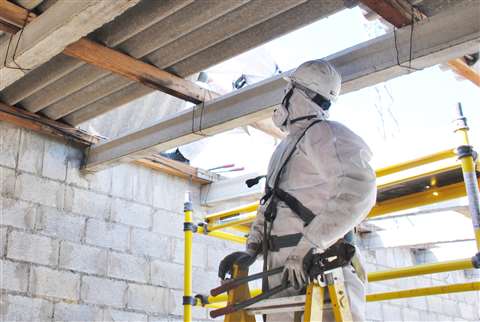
(299, 111)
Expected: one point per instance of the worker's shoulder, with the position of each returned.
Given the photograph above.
(326, 130)
(333, 128)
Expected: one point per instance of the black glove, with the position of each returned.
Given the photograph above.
(242, 259)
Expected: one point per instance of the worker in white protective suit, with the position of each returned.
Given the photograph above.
(325, 167)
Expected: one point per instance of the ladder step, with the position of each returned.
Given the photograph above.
(280, 305)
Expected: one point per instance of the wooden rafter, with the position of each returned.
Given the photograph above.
(44, 125)
(14, 15)
(178, 169)
(400, 13)
(137, 70)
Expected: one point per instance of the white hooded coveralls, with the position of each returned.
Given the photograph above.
(329, 173)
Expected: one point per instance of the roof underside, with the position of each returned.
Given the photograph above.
(181, 36)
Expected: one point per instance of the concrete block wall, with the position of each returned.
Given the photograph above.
(100, 247)
(109, 246)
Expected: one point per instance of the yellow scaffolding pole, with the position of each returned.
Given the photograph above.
(232, 212)
(248, 218)
(424, 291)
(431, 196)
(442, 155)
(465, 155)
(423, 269)
(188, 229)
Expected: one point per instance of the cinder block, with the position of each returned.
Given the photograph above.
(214, 256)
(411, 315)
(58, 284)
(469, 312)
(20, 308)
(9, 143)
(204, 281)
(30, 156)
(13, 276)
(144, 242)
(55, 160)
(391, 313)
(176, 306)
(450, 308)
(90, 204)
(143, 186)
(83, 258)
(167, 274)
(172, 189)
(17, 213)
(128, 267)
(385, 256)
(199, 253)
(77, 312)
(7, 182)
(148, 298)
(122, 181)
(108, 235)
(32, 248)
(74, 175)
(3, 240)
(130, 213)
(55, 223)
(168, 223)
(103, 291)
(39, 190)
(435, 303)
(123, 316)
(373, 311)
(101, 181)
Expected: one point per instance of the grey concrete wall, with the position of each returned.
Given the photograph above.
(106, 246)
(109, 246)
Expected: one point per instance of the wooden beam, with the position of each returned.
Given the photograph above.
(178, 169)
(462, 69)
(137, 70)
(44, 125)
(46, 36)
(15, 15)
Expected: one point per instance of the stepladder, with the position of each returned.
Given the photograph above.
(324, 298)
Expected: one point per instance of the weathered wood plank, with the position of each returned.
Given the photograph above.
(44, 125)
(137, 70)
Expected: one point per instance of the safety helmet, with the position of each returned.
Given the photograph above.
(318, 76)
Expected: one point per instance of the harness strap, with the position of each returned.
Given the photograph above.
(276, 243)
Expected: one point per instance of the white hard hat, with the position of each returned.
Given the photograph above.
(318, 76)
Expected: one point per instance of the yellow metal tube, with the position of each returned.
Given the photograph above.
(423, 198)
(415, 163)
(223, 235)
(231, 212)
(187, 277)
(248, 218)
(423, 269)
(425, 291)
(465, 155)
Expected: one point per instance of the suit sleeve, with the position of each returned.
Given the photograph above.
(343, 159)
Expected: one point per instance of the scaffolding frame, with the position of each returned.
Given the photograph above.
(238, 218)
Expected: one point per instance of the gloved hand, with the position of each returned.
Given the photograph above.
(297, 264)
(242, 259)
